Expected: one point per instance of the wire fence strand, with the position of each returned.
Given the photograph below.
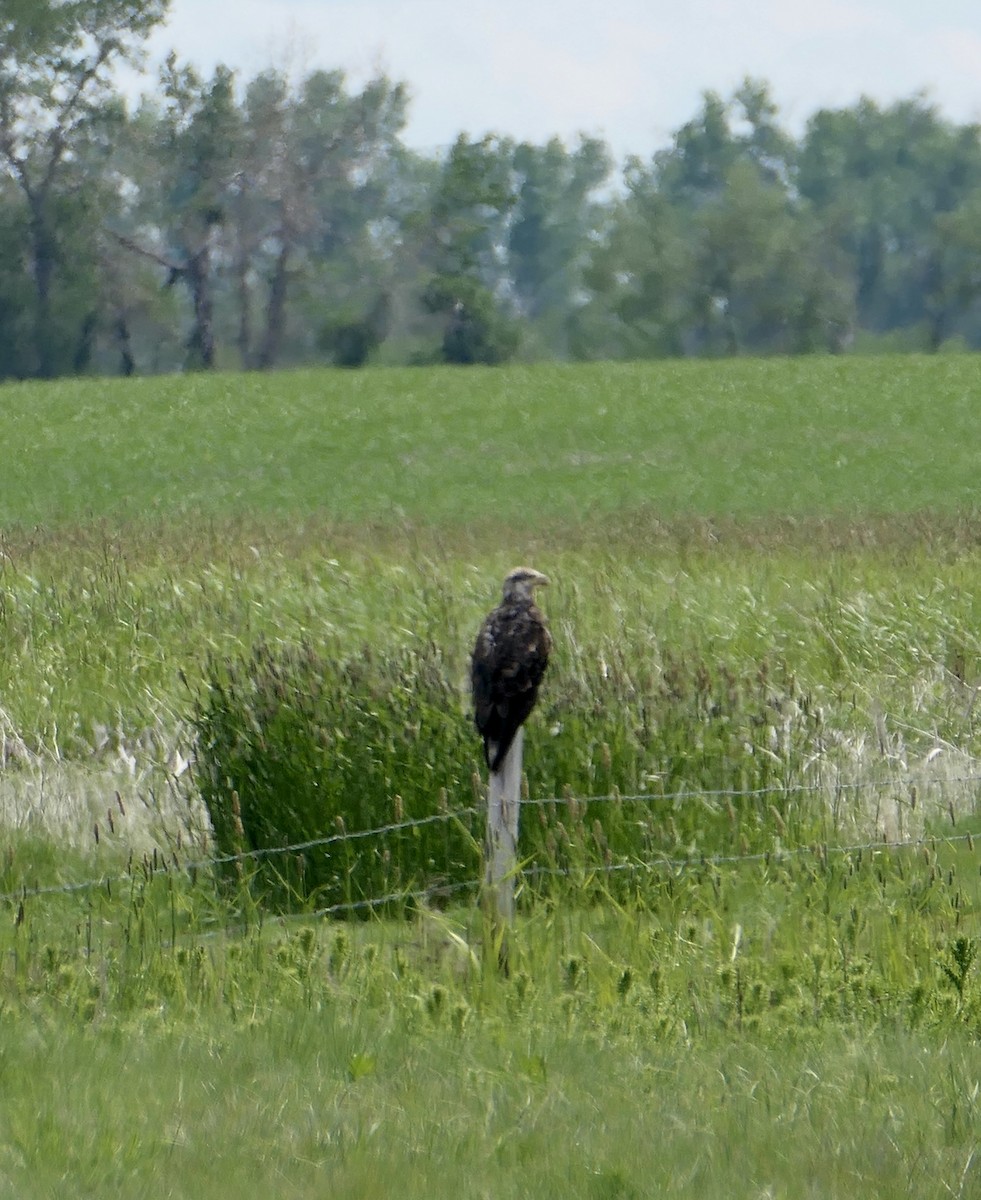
(161, 864)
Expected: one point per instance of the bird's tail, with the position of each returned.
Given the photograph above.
(491, 755)
(497, 752)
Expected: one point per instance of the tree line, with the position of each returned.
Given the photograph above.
(274, 221)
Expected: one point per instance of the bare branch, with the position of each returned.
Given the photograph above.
(58, 137)
(175, 269)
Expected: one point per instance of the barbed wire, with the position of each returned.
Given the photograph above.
(777, 855)
(161, 864)
(832, 786)
(680, 865)
(443, 891)
(417, 894)
(149, 866)
(332, 838)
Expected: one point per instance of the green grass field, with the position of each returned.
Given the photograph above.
(523, 447)
(762, 571)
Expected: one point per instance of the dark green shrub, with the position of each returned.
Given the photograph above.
(294, 748)
(713, 764)
(352, 335)
(477, 329)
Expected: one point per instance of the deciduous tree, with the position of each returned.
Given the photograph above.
(56, 60)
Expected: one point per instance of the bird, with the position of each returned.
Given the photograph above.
(508, 663)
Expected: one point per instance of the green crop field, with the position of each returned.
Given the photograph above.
(746, 956)
(523, 447)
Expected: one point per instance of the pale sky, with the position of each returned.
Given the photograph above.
(631, 71)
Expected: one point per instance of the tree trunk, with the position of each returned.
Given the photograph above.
(127, 363)
(82, 357)
(201, 343)
(244, 338)
(43, 264)
(276, 309)
(935, 297)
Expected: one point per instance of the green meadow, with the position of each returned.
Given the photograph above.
(526, 448)
(745, 961)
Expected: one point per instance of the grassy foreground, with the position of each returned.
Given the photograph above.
(733, 1032)
(356, 1104)
(800, 1023)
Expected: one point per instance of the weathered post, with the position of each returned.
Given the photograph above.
(503, 811)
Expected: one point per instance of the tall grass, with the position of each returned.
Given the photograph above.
(732, 1026)
(292, 747)
(682, 662)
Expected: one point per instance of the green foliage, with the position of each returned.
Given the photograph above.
(712, 252)
(293, 748)
(351, 338)
(962, 953)
(557, 216)
(473, 195)
(56, 107)
(734, 238)
(476, 330)
(891, 186)
(465, 222)
(309, 229)
(349, 343)
(15, 291)
(283, 208)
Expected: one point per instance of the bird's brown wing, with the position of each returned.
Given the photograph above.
(509, 661)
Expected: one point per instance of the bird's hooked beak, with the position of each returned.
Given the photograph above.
(522, 581)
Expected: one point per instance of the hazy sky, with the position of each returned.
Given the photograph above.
(629, 70)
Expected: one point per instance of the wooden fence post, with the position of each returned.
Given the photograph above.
(503, 811)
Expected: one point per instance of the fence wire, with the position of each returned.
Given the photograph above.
(159, 863)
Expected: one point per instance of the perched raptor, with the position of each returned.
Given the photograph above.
(508, 662)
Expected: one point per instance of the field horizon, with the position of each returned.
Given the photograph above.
(813, 438)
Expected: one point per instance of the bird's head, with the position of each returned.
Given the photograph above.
(520, 583)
